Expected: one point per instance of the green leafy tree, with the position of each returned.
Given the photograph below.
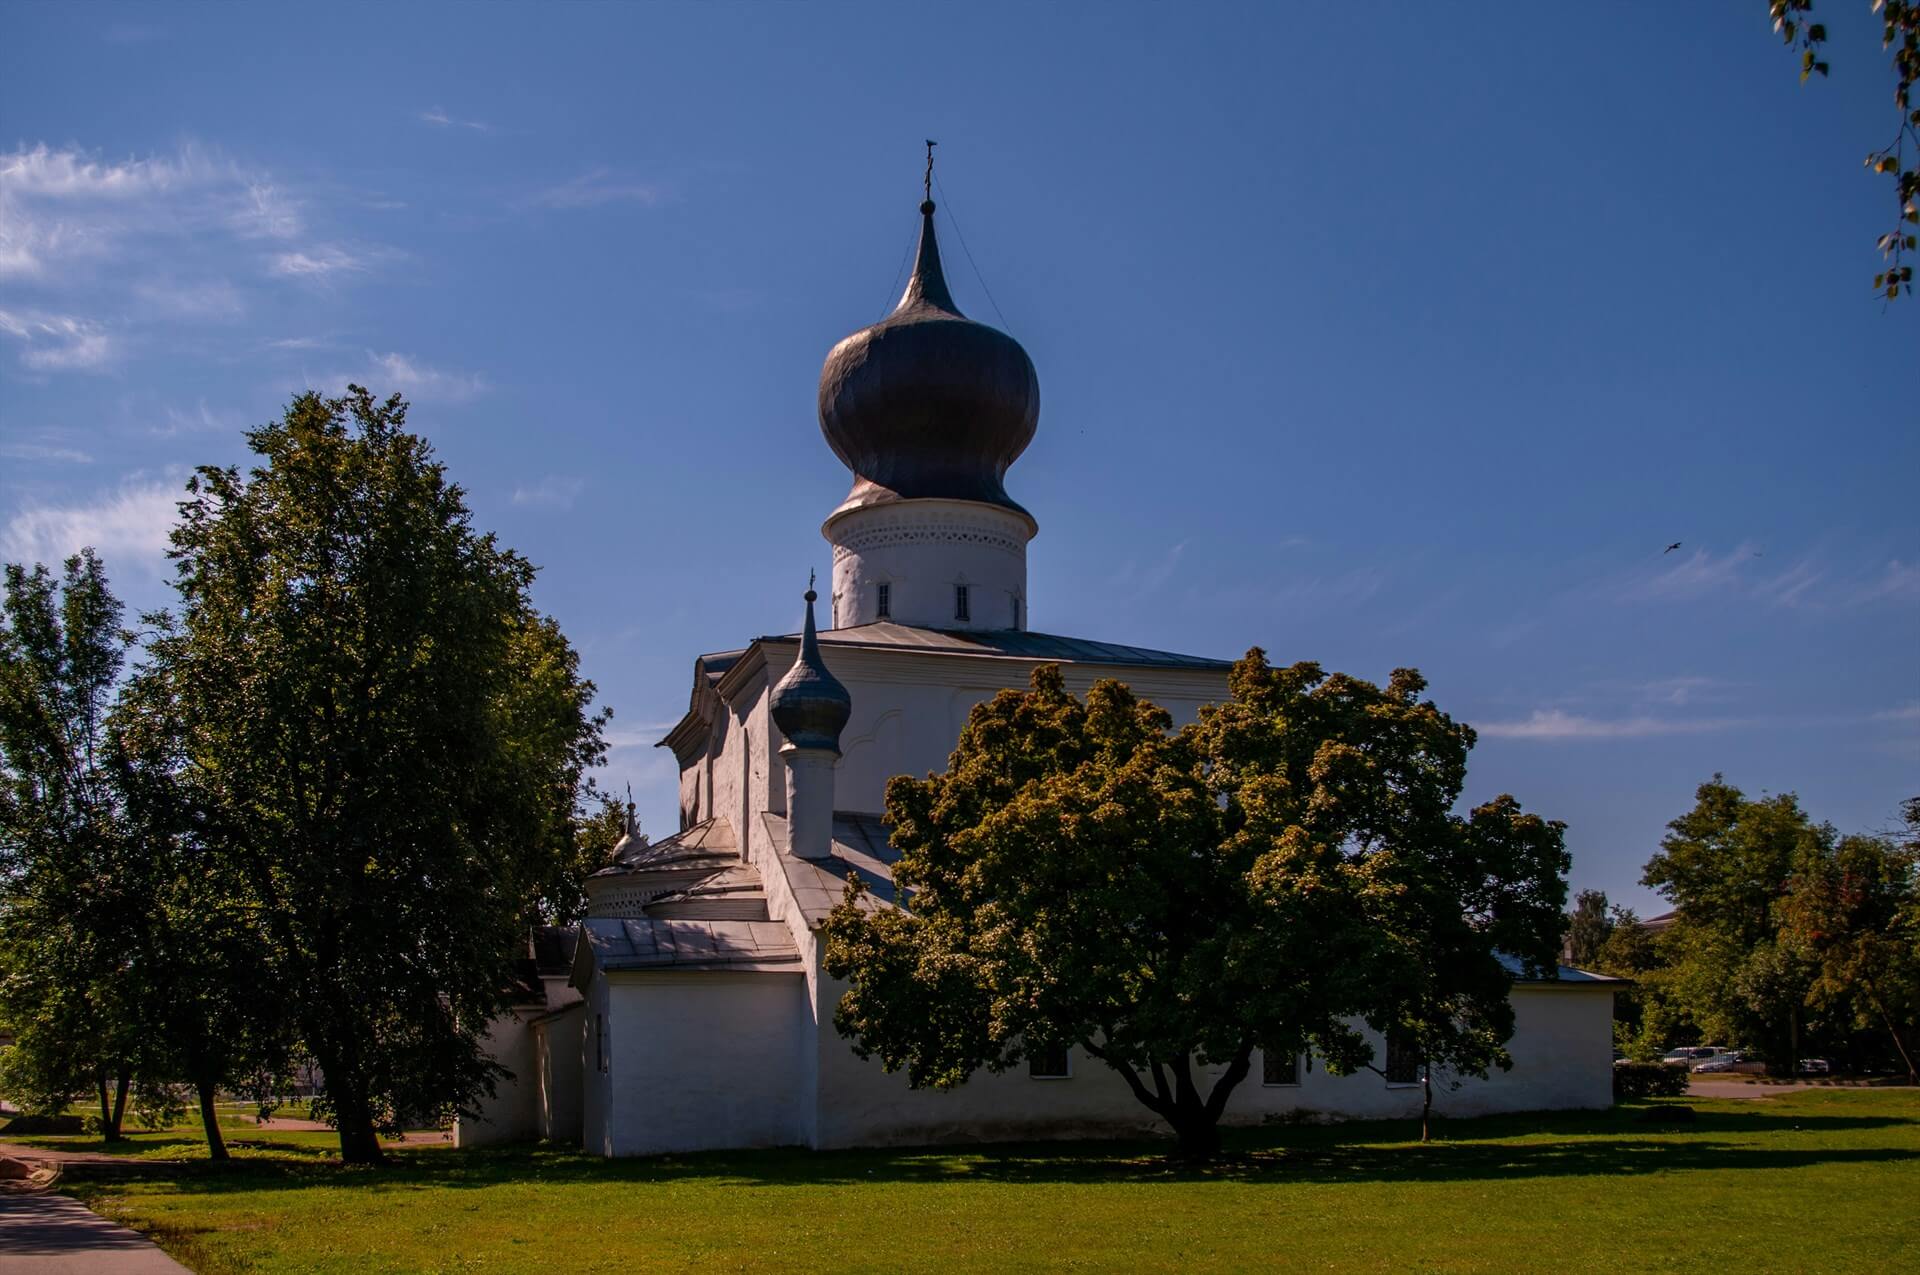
(1726, 865)
(71, 903)
(1453, 900)
(1171, 902)
(389, 742)
(1900, 34)
(1631, 952)
(1856, 913)
(1589, 926)
(209, 975)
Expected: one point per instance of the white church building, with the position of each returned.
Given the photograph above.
(690, 1010)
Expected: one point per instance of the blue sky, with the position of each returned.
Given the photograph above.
(1374, 335)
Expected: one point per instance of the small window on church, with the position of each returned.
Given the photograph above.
(600, 1042)
(1049, 1062)
(885, 608)
(1403, 1060)
(960, 602)
(1279, 1069)
(1015, 599)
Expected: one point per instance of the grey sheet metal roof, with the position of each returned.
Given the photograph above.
(1018, 644)
(653, 943)
(860, 848)
(1564, 974)
(552, 947)
(710, 843)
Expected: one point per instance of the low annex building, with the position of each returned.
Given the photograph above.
(689, 1010)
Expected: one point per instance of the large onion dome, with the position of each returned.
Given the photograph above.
(809, 704)
(926, 402)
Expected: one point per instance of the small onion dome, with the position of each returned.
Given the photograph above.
(926, 402)
(810, 706)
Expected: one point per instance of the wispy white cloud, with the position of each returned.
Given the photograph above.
(1909, 712)
(1898, 582)
(206, 299)
(46, 453)
(1809, 581)
(386, 373)
(1554, 724)
(438, 117)
(1151, 578)
(639, 735)
(555, 491)
(1698, 574)
(198, 419)
(125, 525)
(59, 342)
(1681, 691)
(316, 262)
(601, 186)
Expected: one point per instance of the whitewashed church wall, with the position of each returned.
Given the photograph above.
(512, 1113)
(704, 1060)
(922, 551)
(908, 710)
(906, 729)
(559, 1043)
(596, 1088)
(1562, 1050)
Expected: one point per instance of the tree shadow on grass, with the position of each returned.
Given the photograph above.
(1596, 1144)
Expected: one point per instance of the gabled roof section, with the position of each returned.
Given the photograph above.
(736, 667)
(708, 844)
(1017, 644)
(614, 945)
(860, 848)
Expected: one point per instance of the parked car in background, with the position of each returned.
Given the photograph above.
(1727, 1062)
(1691, 1055)
(1815, 1067)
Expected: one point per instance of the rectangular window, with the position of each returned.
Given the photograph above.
(960, 602)
(1049, 1062)
(1279, 1069)
(885, 608)
(600, 1042)
(1403, 1060)
(1015, 599)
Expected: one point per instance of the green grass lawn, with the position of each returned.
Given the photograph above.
(1820, 1181)
(185, 1140)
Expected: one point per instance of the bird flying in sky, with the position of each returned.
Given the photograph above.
(1670, 548)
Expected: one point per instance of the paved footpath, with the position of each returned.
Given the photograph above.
(46, 1234)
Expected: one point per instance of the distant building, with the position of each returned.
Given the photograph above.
(690, 1010)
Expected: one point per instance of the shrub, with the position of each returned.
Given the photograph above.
(1647, 1080)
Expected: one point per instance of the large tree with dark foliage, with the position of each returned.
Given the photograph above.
(1726, 866)
(72, 898)
(383, 737)
(1169, 902)
(1854, 909)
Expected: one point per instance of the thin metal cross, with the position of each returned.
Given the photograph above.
(929, 180)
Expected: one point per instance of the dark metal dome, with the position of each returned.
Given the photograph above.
(809, 704)
(926, 402)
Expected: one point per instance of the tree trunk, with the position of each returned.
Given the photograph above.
(1195, 1120)
(359, 1143)
(123, 1082)
(1197, 1138)
(1426, 1104)
(113, 1108)
(210, 1119)
(1913, 1075)
(106, 1107)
